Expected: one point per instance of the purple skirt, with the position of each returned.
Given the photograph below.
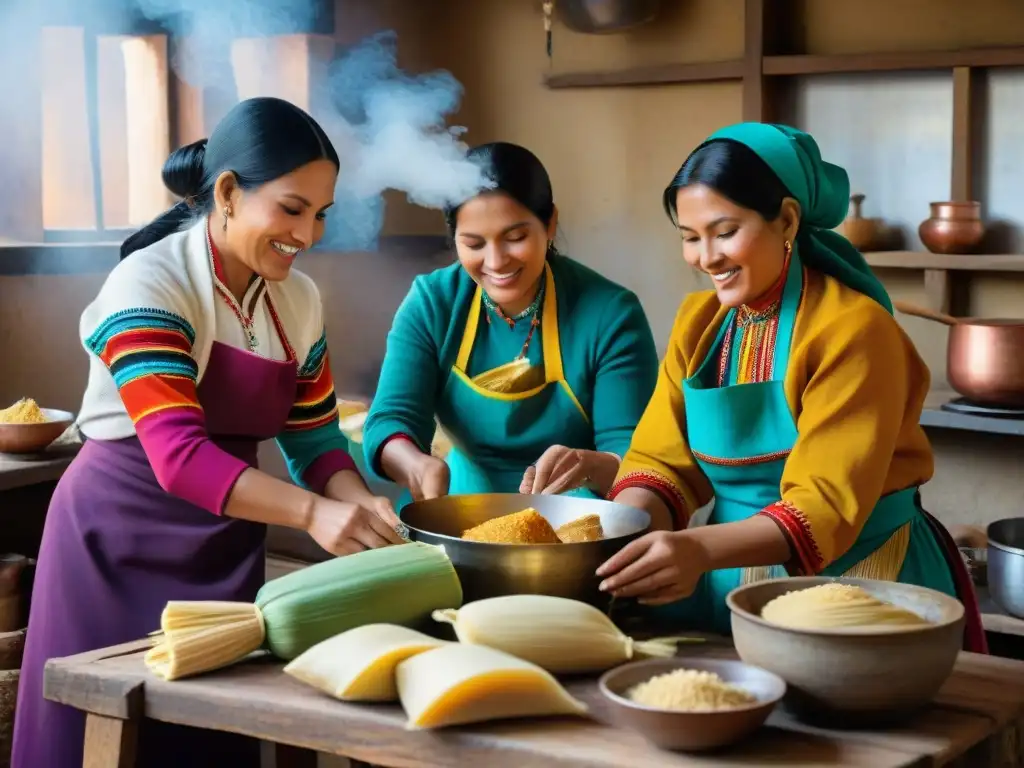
(116, 547)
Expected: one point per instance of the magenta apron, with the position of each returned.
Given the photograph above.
(116, 547)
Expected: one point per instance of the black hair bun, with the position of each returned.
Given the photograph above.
(184, 170)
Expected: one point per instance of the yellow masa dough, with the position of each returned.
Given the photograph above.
(459, 684)
(359, 665)
(25, 411)
(834, 606)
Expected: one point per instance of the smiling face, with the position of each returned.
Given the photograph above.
(743, 253)
(270, 225)
(503, 247)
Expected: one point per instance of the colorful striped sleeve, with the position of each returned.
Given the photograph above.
(312, 443)
(149, 355)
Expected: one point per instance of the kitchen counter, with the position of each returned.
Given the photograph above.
(976, 720)
(17, 471)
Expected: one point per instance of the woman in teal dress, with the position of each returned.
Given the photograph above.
(536, 367)
(789, 394)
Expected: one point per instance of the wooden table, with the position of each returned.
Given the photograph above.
(18, 471)
(977, 720)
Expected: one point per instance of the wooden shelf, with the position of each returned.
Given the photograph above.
(934, 416)
(893, 61)
(981, 262)
(801, 64)
(660, 74)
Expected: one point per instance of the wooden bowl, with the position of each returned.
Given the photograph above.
(692, 731)
(852, 676)
(32, 438)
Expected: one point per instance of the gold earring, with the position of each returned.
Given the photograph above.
(227, 212)
(788, 247)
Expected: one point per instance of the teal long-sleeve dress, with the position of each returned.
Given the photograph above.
(594, 368)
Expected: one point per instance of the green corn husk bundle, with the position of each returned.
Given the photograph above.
(401, 584)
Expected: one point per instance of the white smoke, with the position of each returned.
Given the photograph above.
(389, 126)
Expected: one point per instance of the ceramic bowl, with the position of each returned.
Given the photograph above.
(32, 438)
(852, 676)
(692, 731)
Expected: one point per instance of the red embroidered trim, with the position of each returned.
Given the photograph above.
(656, 483)
(759, 459)
(806, 555)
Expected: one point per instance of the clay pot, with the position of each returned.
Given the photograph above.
(954, 227)
(863, 234)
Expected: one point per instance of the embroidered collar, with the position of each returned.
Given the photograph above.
(767, 305)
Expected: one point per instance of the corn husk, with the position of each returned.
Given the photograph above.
(561, 635)
(400, 584)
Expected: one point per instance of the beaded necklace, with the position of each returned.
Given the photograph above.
(532, 311)
(247, 322)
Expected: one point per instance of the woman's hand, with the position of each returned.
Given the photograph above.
(343, 528)
(428, 478)
(560, 469)
(658, 568)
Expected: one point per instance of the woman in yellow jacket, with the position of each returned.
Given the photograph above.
(789, 394)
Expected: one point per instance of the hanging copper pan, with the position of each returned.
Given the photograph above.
(984, 357)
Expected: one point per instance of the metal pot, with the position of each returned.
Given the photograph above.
(489, 570)
(602, 17)
(984, 357)
(1006, 564)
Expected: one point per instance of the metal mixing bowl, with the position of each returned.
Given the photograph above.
(1006, 564)
(488, 570)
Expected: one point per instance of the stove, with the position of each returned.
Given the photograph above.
(970, 408)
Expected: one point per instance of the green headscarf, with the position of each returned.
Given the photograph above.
(823, 191)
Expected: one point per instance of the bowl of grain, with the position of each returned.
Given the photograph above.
(691, 704)
(855, 652)
(27, 428)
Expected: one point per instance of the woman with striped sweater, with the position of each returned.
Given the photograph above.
(202, 343)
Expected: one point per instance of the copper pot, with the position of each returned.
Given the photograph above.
(953, 227)
(984, 357)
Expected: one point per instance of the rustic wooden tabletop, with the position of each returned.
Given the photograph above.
(976, 720)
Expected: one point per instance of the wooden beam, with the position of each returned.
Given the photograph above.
(286, 66)
(113, 132)
(966, 130)
(937, 290)
(891, 61)
(658, 74)
(755, 107)
(149, 128)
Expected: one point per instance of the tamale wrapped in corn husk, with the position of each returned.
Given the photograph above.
(560, 635)
(359, 665)
(400, 584)
(458, 684)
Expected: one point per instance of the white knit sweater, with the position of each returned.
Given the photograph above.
(176, 275)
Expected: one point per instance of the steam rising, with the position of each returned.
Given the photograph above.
(389, 126)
